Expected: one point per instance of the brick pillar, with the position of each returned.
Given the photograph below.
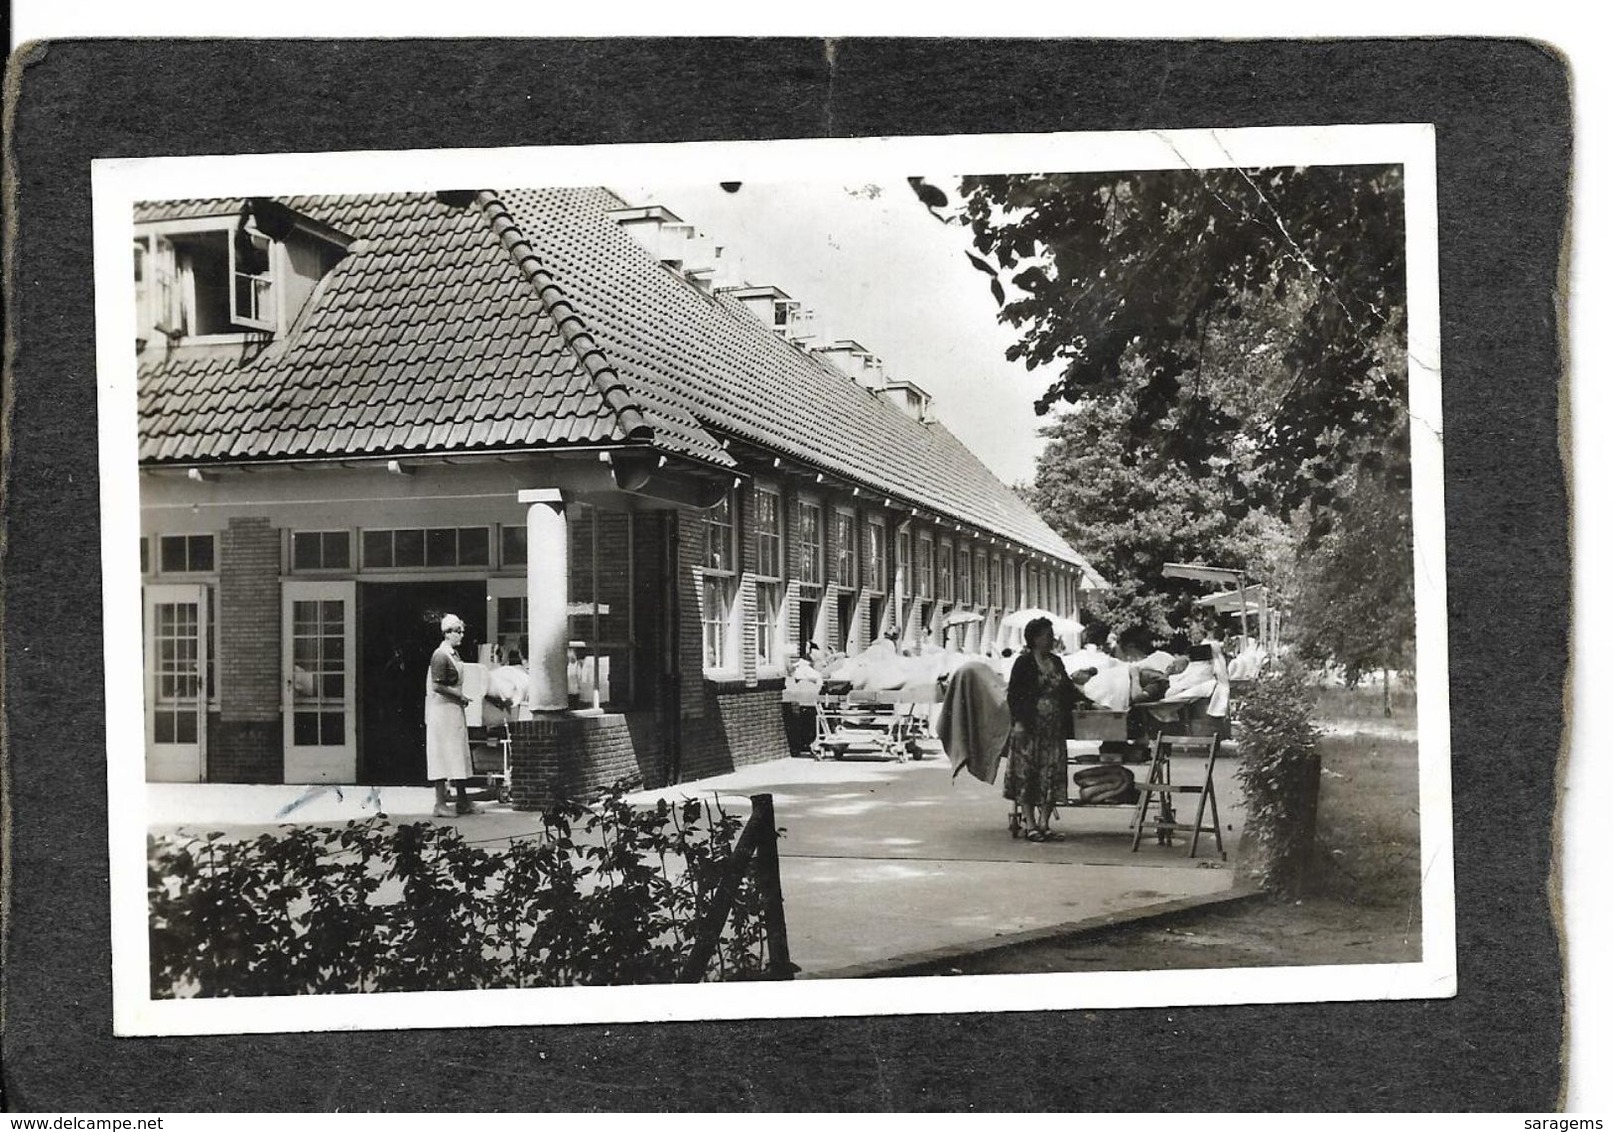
(249, 745)
(570, 755)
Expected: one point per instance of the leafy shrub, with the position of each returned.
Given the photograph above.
(608, 894)
(1279, 771)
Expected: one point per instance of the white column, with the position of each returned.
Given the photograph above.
(548, 588)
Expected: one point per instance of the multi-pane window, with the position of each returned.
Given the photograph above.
(765, 623)
(510, 624)
(178, 676)
(904, 558)
(252, 297)
(321, 550)
(186, 554)
(809, 534)
(512, 545)
(947, 592)
(191, 554)
(319, 681)
(966, 579)
(874, 563)
(430, 546)
(926, 566)
(210, 282)
(718, 522)
(845, 549)
(982, 595)
(769, 535)
(994, 584)
(719, 587)
(716, 612)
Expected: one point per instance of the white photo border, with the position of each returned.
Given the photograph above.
(118, 183)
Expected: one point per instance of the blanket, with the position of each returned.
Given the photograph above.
(1111, 688)
(1247, 664)
(974, 723)
(880, 668)
(1104, 784)
(1200, 680)
(505, 696)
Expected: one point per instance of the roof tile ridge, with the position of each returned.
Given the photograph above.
(573, 330)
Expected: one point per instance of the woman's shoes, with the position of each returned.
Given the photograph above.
(470, 808)
(1044, 835)
(443, 810)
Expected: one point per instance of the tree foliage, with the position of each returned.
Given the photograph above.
(1127, 283)
(1354, 601)
(1131, 511)
(1227, 349)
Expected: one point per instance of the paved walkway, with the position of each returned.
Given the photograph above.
(879, 860)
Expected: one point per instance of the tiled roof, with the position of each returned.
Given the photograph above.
(340, 212)
(530, 319)
(373, 368)
(670, 339)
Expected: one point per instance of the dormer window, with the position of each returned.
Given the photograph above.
(207, 282)
(229, 275)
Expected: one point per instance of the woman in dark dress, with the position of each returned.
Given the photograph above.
(1040, 699)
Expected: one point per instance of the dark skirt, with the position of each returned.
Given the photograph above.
(1038, 774)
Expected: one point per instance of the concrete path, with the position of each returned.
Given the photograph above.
(879, 860)
(882, 860)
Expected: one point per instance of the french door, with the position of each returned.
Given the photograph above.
(176, 663)
(317, 681)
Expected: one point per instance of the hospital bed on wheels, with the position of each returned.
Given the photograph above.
(1151, 741)
(490, 758)
(883, 724)
(1089, 726)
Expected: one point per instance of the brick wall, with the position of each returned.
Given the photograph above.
(577, 756)
(741, 726)
(246, 751)
(249, 742)
(584, 525)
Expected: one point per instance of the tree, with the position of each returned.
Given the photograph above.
(1127, 282)
(1355, 602)
(1131, 509)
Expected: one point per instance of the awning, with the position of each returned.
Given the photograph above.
(1201, 573)
(1253, 597)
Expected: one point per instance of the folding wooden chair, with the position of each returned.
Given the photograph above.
(1159, 786)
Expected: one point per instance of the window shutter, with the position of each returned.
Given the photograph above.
(167, 314)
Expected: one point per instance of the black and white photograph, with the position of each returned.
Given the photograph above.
(795, 578)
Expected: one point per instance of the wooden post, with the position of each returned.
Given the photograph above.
(709, 930)
(772, 892)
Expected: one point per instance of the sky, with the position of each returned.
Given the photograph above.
(877, 267)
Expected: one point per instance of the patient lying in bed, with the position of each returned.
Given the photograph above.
(1119, 687)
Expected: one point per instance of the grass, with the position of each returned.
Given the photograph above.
(1367, 850)
(1336, 703)
(1361, 905)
